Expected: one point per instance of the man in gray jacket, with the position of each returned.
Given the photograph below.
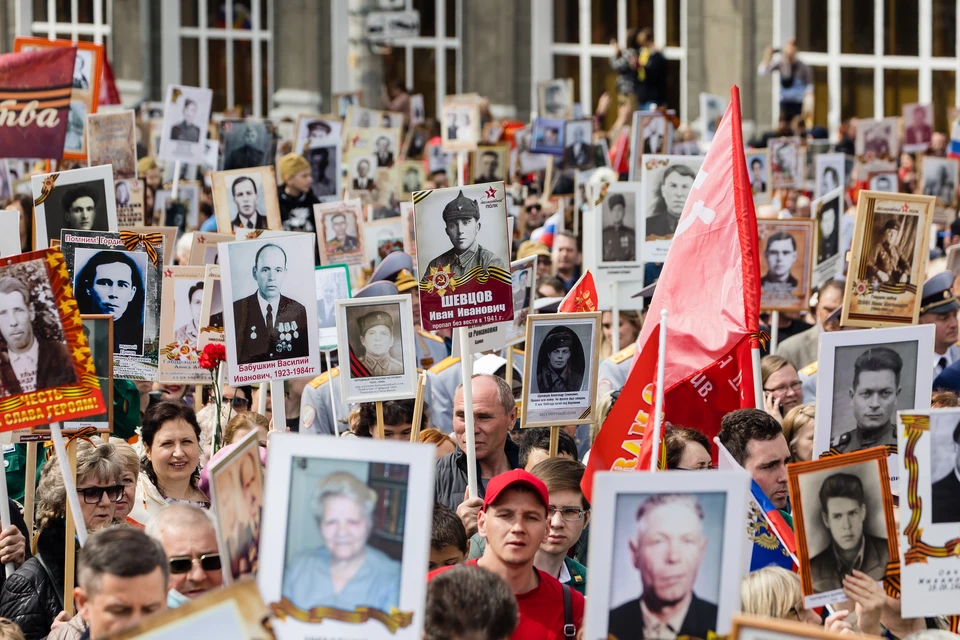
(801, 350)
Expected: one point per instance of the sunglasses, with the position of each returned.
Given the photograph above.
(92, 495)
(183, 564)
(533, 207)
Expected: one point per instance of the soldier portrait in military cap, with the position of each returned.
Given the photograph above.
(270, 313)
(314, 129)
(340, 231)
(619, 235)
(561, 369)
(186, 115)
(376, 346)
(888, 259)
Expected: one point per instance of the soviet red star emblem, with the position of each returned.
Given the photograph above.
(491, 193)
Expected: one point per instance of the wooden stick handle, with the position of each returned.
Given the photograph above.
(30, 488)
(554, 441)
(418, 408)
(380, 434)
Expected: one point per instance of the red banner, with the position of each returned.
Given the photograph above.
(35, 89)
(582, 297)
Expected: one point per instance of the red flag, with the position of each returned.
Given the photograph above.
(582, 296)
(108, 85)
(710, 286)
(35, 90)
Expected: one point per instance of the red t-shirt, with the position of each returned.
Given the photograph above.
(541, 609)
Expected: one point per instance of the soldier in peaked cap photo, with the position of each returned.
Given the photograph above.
(619, 239)
(887, 264)
(377, 339)
(560, 362)
(461, 218)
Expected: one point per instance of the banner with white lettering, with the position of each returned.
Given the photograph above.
(35, 88)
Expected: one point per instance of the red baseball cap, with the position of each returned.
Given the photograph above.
(516, 478)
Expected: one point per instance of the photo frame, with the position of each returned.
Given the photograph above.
(856, 485)
(450, 294)
(716, 556)
(828, 260)
(211, 314)
(316, 129)
(561, 370)
(830, 173)
(205, 248)
(333, 283)
(189, 193)
(527, 160)
(415, 144)
(578, 145)
(762, 628)
(651, 134)
(786, 262)
(324, 158)
(938, 177)
(298, 469)
(65, 386)
(112, 140)
(98, 329)
(264, 343)
(186, 119)
(133, 263)
(181, 304)
(666, 183)
(129, 196)
(247, 143)
(547, 137)
(555, 98)
(877, 140)
(758, 172)
(376, 335)
(786, 163)
(459, 126)
(340, 240)
(917, 127)
(523, 275)
(413, 175)
(236, 204)
(78, 198)
(363, 118)
(381, 144)
(888, 259)
(236, 493)
(85, 94)
(489, 163)
(883, 181)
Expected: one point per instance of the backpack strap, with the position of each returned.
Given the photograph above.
(569, 629)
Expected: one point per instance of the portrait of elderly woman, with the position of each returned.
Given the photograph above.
(344, 571)
(560, 362)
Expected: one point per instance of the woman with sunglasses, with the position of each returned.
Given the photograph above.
(170, 466)
(33, 596)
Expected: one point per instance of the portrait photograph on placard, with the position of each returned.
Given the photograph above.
(578, 145)
(204, 247)
(378, 335)
(888, 259)
(42, 319)
(463, 256)
(415, 145)
(362, 118)
(460, 126)
(361, 171)
(547, 136)
(786, 260)
(938, 178)
(917, 127)
(667, 181)
(236, 493)
(270, 315)
(123, 280)
(186, 117)
(555, 98)
(843, 516)
(654, 134)
(333, 283)
(317, 130)
(111, 139)
(528, 161)
(381, 238)
(877, 139)
(81, 199)
(489, 164)
(340, 231)
(811, 149)
(561, 369)
(758, 171)
(523, 274)
(343, 101)
(98, 331)
(246, 198)
(180, 310)
(188, 193)
(312, 484)
(929, 445)
(702, 514)
(883, 181)
(129, 196)
(211, 310)
(829, 173)
(786, 170)
(248, 143)
(864, 378)
(324, 160)
(827, 257)
(412, 177)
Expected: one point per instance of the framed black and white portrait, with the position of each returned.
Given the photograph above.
(376, 335)
(418, 114)
(561, 369)
(877, 139)
(651, 134)
(556, 98)
(246, 198)
(758, 172)
(829, 172)
(315, 130)
(843, 517)
(189, 194)
(333, 283)
(270, 314)
(667, 181)
(247, 143)
(343, 101)
(81, 199)
(460, 126)
(313, 483)
(827, 258)
(938, 177)
(361, 172)
(786, 163)
(415, 144)
(578, 145)
(340, 231)
(489, 164)
(186, 116)
(523, 274)
(324, 159)
(685, 524)
(412, 176)
(547, 136)
(528, 161)
(786, 248)
(613, 246)
(883, 181)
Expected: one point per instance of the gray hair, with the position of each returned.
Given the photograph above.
(94, 462)
(343, 483)
(121, 551)
(504, 392)
(665, 499)
(177, 515)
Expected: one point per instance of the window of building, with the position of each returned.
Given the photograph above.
(75, 20)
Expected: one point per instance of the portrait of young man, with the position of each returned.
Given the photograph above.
(946, 491)
(886, 263)
(187, 130)
(758, 176)
(873, 394)
(79, 205)
(843, 512)
(376, 337)
(461, 219)
(780, 254)
(578, 151)
(828, 234)
(561, 363)
(112, 282)
(245, 205)
(269, 325)
(30, 362)
(250, 153)
(667, 550)
(619, 237)
(488, 167)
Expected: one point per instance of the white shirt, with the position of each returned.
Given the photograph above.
(263, 308)
(25, 366)
(937, 369)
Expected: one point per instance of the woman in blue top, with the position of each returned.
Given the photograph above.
(345, 572)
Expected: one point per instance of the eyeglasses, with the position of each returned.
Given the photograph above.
(706, 466)
(533, 207)
(798, 610)
(239, 402)
(570, 514)
(793, 386)
(92, 495)
(183, 564)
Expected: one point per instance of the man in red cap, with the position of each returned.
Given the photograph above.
(513, 520)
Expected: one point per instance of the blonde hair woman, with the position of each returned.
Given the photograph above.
(774, 592)
(798, 428)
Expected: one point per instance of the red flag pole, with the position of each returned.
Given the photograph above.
(658, 403)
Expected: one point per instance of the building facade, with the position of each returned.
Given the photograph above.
(869, 57)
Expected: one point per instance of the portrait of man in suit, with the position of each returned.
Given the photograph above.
(363, 181)
(187, 131)
(919, 130)
(245, 192)
(326, 304)
(843, 511)
(667, 551)
(249, 154)
(946, 491)
(578, 152)
(488, 167)
(269, 325)
(28, 362)
(384, 154)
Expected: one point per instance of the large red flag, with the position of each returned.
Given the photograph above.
(582, 296)
(710, 287)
